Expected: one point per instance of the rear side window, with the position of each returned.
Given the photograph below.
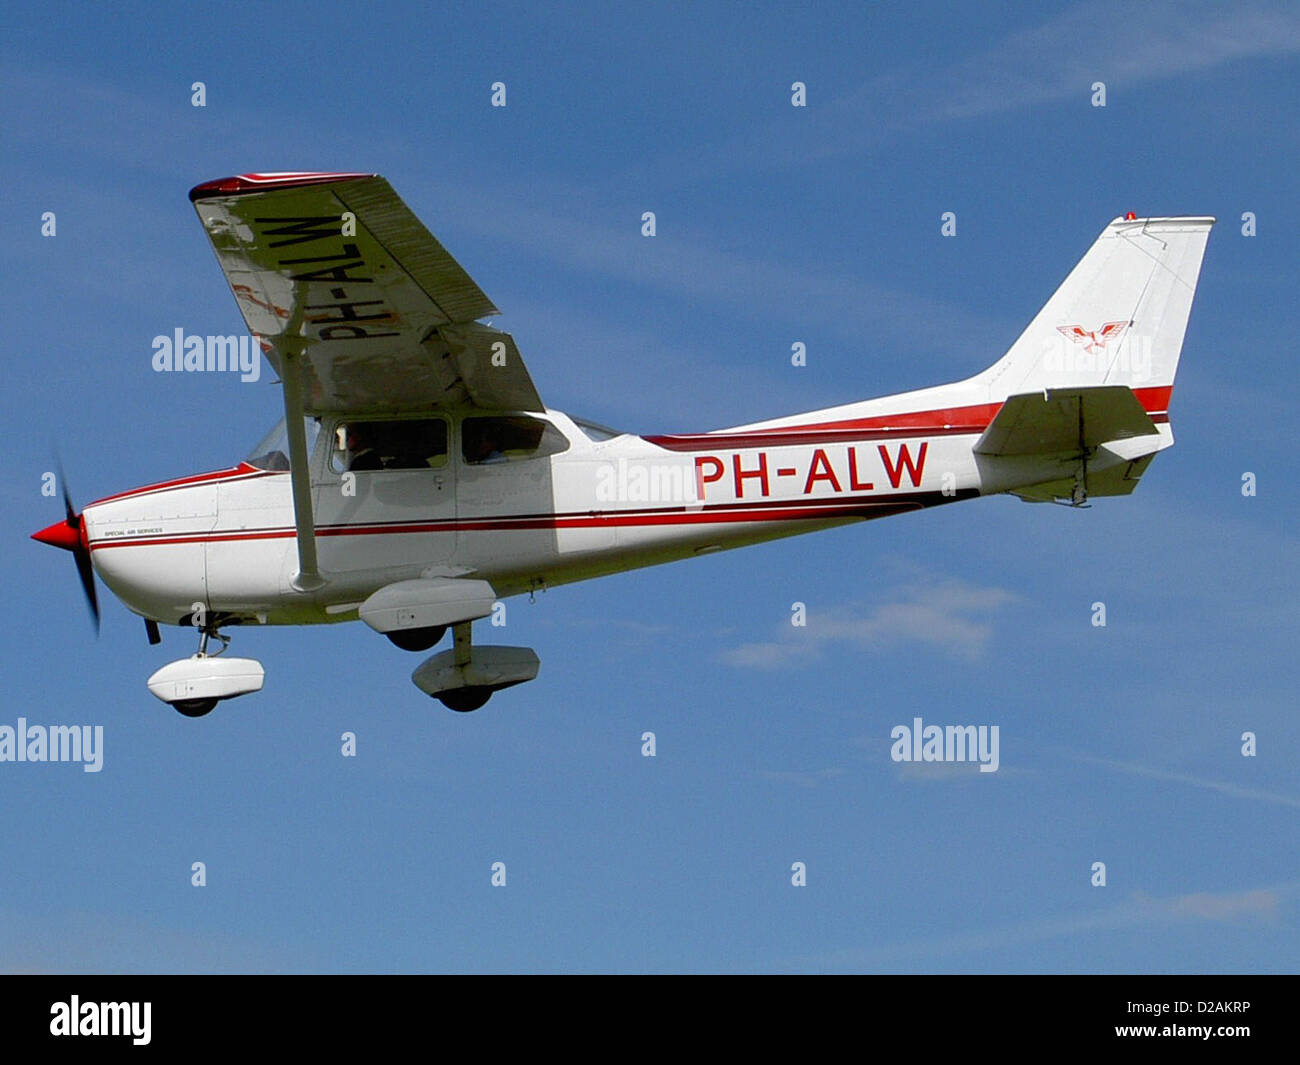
(494, 439)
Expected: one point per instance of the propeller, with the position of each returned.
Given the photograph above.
(70, 536)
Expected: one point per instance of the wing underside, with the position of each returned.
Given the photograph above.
(335, 271)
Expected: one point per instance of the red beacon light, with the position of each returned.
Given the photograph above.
(1130, 217)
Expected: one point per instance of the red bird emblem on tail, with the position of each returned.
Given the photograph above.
(1094, 343)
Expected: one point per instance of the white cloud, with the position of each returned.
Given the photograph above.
(1137, 911)
(689, 265)
(1224, 788)
(1122, 44)
(803, 778)
(952, 617)
(1223, 907)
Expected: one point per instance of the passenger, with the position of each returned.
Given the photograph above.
(485, 451)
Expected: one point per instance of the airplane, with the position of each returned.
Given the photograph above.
(417, 478)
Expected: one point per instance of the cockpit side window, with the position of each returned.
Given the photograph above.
(406, 444)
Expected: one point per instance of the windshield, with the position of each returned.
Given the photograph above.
(272, 452)
(596, 432)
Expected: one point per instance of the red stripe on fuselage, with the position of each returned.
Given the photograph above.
(947, 421)
(723, 513)
(243, 471)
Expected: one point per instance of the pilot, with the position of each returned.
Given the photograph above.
(361, 456)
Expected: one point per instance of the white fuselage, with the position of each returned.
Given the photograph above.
(225, 542)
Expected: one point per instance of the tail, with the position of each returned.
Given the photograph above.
(1091, 377)
(1118, 319)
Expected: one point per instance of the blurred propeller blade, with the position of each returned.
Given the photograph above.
(68, 535)
(87, 574)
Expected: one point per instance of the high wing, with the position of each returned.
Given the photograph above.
(334, 272)
(359, 309)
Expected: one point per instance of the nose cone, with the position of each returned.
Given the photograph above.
(62, 534)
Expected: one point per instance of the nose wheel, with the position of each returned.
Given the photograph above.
(195, 707)
(193, 686)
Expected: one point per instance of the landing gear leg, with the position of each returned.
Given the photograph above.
(471, 697)
(1079, 495)
(205, 634)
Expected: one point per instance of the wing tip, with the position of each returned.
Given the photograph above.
(241, 184)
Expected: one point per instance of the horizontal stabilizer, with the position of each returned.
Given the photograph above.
(1064, 420)
(1117, 480)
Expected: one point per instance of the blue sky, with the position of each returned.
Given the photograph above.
(775, 224)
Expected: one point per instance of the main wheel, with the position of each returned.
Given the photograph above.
(417, 639)
(195, 707)
(463, 700)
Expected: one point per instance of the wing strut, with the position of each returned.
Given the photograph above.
(308, 577)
